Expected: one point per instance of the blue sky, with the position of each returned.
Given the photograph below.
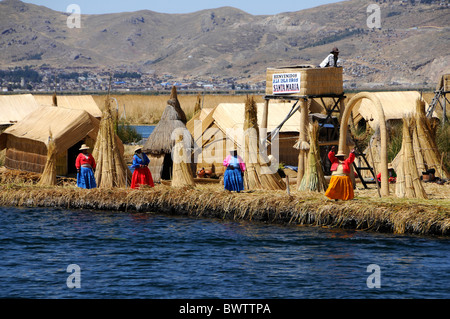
(181, 6)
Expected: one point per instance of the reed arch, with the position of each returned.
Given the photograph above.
(383, 133)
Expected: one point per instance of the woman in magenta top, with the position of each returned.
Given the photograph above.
(233, 177)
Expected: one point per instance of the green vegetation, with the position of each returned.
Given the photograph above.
(127, 133)
(127, 75)
(15, 75)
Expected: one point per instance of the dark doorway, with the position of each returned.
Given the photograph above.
(167, 167)
(72, 154)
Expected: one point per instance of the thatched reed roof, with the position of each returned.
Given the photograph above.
(68, 127)
(14, 108)
(232, 116)
(74, 102)
(162, 139)
(396, 106)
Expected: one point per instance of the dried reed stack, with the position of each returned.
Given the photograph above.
(54, 100)
(426, 143)
(112, 170)
(48, 177)
(198, 104)
(255, 162)
(408, 180)
(313, 178)
(181, 171)
(173, 100)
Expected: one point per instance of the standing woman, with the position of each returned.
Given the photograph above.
(341, 186)
(85, 165)
(141, 174)
(233, 178)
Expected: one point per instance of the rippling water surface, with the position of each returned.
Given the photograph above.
(124, 255)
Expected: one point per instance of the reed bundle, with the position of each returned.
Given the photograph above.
(257, 174)
(48, 177)
(408, 180)
(112, 170)
(181, 171)
(426, 143)
(313, 178)
(412, 216)
(198, 104)
(54, 100)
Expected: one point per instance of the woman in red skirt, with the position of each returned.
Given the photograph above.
(141, 174)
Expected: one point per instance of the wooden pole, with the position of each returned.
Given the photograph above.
(288, 190)
(265, 119)
(303, 139)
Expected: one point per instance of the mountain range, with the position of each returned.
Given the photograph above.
(411, 47)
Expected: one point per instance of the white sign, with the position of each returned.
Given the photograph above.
(286, 83)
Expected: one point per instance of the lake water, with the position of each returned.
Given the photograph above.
(144, 130)
(126, 255)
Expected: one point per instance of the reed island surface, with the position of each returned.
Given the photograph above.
(367, 212)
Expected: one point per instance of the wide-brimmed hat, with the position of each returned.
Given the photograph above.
(335, 50)
(84, 147)
(137, 148)
(340, 154)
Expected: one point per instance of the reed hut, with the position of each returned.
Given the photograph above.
(161, 142)
(14, 108)
(218, 129)
(396, 106)
(26, 142)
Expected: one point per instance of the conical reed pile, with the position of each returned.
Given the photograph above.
(112, 170)
(181, 171)
(408, 179)
(48, 177)
(257, 174)
(314, 178)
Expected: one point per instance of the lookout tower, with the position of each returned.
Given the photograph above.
(440, 97)
(306, 85)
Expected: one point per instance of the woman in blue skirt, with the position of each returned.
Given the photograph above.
(85, 165)
(233, 178)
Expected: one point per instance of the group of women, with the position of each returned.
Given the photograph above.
(85, 164)
(340, 186)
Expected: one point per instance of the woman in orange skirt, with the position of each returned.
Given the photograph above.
(141, 174)
(341, 186)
